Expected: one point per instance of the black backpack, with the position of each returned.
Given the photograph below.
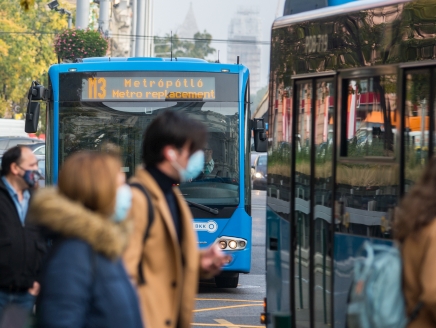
(139, 186)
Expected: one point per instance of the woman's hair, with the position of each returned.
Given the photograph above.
(90, 178)
(418, 208)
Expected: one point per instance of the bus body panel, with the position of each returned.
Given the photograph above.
(277, 264)
(239, 226)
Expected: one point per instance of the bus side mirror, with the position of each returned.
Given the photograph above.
(32, 117)
(260, 140)
(36, 92)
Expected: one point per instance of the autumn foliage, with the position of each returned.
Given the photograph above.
(72, 44)
(26, 49)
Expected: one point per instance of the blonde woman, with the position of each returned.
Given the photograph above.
(84, 283)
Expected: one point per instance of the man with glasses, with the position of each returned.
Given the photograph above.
(21, 245)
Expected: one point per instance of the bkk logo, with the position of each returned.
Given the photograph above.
(209, 226)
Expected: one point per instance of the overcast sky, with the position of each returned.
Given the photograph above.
(215, 17)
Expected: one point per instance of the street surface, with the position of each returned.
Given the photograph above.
(238, 307)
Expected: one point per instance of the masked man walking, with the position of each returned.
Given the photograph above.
(167, 265)
(21, 246)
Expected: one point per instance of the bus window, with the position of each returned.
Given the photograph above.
(302, 202)
(372, 102)
(323, 144)
(416, 125)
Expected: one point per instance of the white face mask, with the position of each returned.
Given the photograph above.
(123, 202)
(193, 168)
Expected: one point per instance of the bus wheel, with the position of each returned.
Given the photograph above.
(226, 281)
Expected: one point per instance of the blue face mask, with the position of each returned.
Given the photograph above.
(30, 177)
(193, 168)
(123, 203)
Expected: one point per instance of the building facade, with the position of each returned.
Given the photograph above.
(244, 33)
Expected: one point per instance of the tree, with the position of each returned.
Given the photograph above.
(164, 46)
(26, 49)
(199, 48)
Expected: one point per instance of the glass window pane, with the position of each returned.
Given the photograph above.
(279, 157)
(323, 203)
(370, 117)
(278, 199)
(40, 151)
(366, 191)
(89, 125)
(366, 194)
(302, 203)
(417, 125)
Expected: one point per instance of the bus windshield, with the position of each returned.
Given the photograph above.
(87, 125)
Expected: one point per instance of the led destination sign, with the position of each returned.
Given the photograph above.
(148, 88)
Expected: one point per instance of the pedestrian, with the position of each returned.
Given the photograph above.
(415, 229)
(83, 282)
(21, 244)
(166, 266)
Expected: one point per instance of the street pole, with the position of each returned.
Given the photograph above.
(103, 19)
(133, 30)
(82, 14)
(69, 16)
(140, 26)
(148, 30)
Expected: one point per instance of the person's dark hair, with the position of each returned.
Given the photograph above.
(171, 128)
(418, 208)
(12, 155)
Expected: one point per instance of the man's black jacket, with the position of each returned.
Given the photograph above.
(21, 247)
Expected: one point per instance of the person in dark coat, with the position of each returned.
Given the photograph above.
(21, 244)
(83, 282)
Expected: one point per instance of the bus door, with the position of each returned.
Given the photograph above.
(300, 201)
(312, 173)
(366, 186)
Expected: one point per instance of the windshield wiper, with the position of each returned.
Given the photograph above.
(204, 207)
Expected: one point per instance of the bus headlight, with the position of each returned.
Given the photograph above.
(231, 243)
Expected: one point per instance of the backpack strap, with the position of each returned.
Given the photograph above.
(141, 278)
(416, 311)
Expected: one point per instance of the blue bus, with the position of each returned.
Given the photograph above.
(351, 125)
(112, 100)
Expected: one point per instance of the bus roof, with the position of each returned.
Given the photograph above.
(100, 64)
(333, 11)
(142, 59)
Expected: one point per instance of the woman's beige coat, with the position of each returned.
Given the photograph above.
(171, 270)
(419, 263)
